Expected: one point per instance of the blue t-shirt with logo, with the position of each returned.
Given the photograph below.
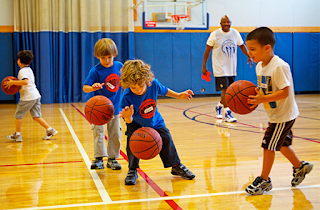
(145, 108)
(111, 79)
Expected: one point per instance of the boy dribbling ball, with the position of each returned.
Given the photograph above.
(275, 90)
(139, 109)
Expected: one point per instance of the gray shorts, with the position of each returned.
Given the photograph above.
(33, 106)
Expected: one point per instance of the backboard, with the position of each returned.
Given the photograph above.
(157, 14)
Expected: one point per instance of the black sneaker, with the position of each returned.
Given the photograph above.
(97, 164)
(183, 171)
(113, 164)
(131, 178)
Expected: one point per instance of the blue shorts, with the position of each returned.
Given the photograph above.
(33, 106)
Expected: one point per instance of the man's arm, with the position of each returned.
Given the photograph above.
(245, 51)
(205, 58)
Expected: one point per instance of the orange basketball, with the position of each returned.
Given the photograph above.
(13, 89)
(99, 110)
(237, 95)
(145, 143)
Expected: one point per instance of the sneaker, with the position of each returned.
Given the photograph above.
(131, 178)
(183, 171)
(113, 164)
(218, 112)
(97, 164)
(259, 186)
(300, 173)
(228, 117)
(50, 133)
(14, 137)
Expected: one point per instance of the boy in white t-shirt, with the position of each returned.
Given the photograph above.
(275, 90)
(29, 97)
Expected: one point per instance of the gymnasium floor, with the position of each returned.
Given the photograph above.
(225, 157)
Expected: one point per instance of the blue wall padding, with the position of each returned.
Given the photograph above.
(7, 62)
(181, 63)
(198, 47)
(163, 58)
(314, 64)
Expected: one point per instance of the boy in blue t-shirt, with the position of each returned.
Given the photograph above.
(104, 79)
(139, 109)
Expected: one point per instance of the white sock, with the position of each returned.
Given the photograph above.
(220, 104)
(18, 133)
(49, 128)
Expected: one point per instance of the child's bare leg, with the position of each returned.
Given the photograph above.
(18, 125)
(291, 156)
(268, 159)
(42, 122)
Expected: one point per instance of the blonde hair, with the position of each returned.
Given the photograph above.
(104, 47)
(136, 72)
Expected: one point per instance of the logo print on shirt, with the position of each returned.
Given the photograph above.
(265, 85)
(148, 108)
(112, 83)
(228, 48)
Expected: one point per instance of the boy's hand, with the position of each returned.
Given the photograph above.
(97, 86)
(127, 113)
(8, 84)
(255, 100)
(186, 95)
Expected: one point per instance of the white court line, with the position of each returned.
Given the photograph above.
(161, 198)
(100, 187)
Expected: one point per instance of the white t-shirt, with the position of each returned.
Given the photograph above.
(224, 51)
(28, 92)
(271, 78)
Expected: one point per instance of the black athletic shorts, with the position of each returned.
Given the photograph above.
(224, 82)
(278, 135)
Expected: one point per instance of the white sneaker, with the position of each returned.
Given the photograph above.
(14, 137)
(218, 112)
(50, 133)
(228, 117)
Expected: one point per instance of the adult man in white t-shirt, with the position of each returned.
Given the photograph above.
(223, 43)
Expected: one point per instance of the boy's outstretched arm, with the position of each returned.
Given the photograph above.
(183, 95)
(94, 87)
(261, 98)
(127, 113)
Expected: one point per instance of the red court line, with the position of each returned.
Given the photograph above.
(32, 164)
(237, 122)
(143, 175)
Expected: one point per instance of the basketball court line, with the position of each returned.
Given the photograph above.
(32, 164)
(163, 198)
(96, 179)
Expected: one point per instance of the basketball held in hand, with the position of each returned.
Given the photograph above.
(99, 110)
(145, 143)
(237, 95)
(14, 89)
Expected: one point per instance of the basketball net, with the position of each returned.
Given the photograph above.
(179, 21)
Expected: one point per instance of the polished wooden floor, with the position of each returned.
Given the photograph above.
(226, 157)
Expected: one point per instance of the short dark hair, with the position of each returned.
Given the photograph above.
(263, 35)
(25, 56)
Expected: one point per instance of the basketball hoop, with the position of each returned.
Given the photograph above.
(179, 21)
